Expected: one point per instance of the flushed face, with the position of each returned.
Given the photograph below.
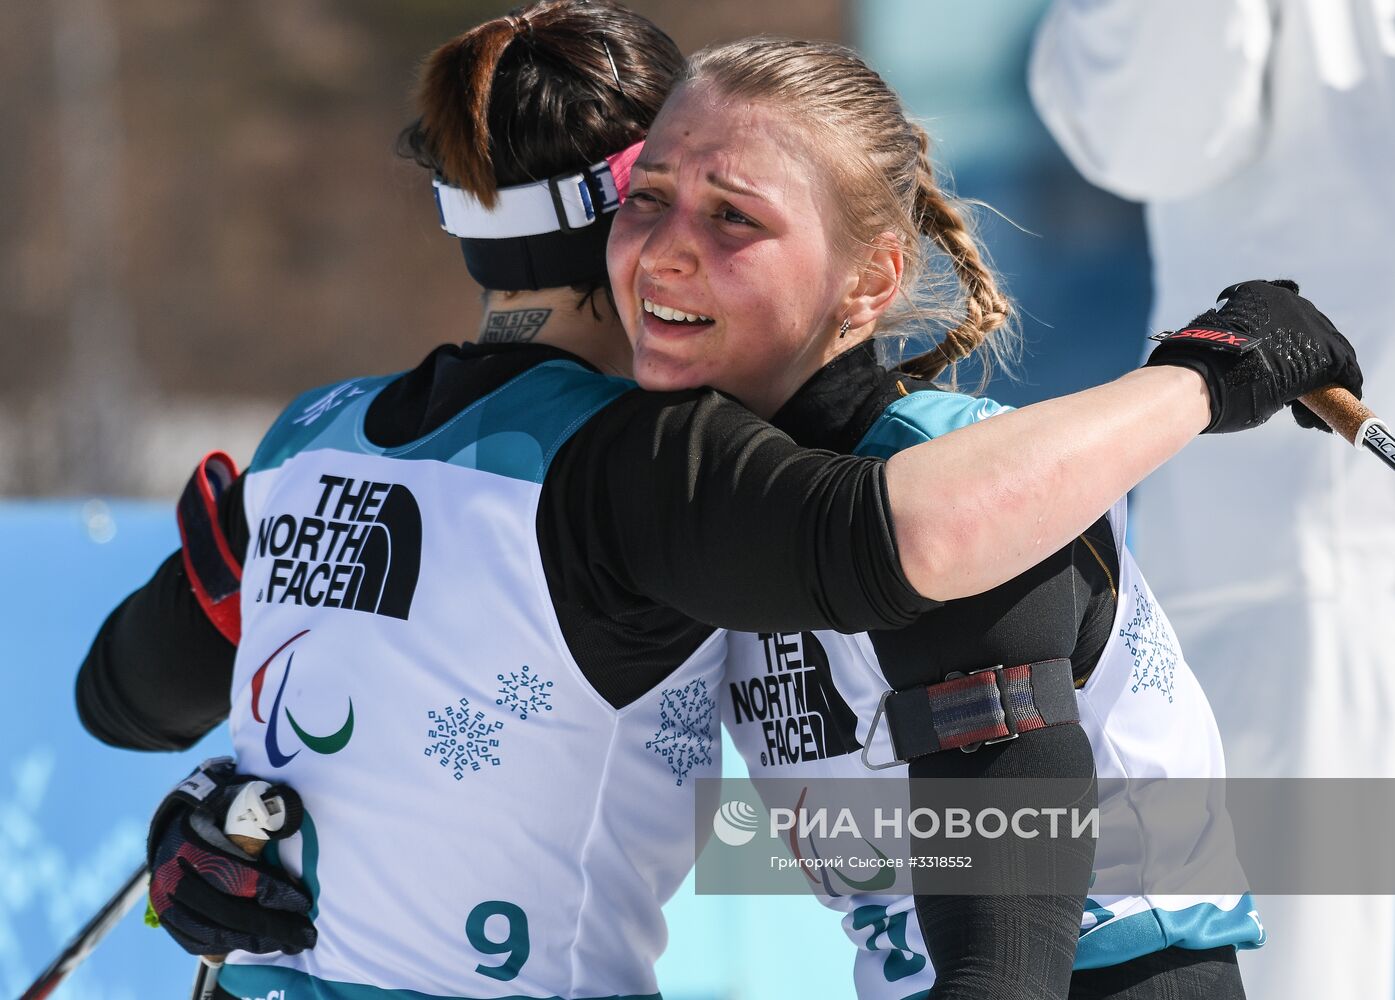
(722, 258)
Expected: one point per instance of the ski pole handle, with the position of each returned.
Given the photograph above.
(255, 819)
(206, 979)
(1353, 420)
(1339, 409)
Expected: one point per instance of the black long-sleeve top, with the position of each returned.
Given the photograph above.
(665, 516)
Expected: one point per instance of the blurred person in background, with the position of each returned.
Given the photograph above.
(1260, 135)
(628, 628)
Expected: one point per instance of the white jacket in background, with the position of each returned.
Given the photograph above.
(1261, 137)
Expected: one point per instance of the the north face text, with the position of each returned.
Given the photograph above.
(360, 549)
(799, 711)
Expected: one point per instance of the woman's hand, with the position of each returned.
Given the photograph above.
(1261, 350)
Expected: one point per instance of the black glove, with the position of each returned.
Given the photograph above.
(1261, 350)
(210, 895)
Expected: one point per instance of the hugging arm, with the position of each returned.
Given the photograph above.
(981, 505)
(1012, 489)
(726, 519)
(698, 505)
(693, 503)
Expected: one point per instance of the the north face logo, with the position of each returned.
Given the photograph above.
(799, 711)
(360, 549)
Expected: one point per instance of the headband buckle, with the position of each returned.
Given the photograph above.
(582, 184)
(565, 202)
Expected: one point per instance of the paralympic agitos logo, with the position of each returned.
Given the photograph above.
(330, 744)
(360, 549)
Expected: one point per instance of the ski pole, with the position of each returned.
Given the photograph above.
(87, 939)
(254, 820)
(1355, 421)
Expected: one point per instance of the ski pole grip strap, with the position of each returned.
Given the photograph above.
(214, 572)
(202, 782)
(986, 706)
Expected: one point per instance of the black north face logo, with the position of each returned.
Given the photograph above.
(799, 711)
(360, 549)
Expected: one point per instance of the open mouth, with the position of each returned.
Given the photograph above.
(675, 317)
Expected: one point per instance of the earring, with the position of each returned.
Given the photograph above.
(843, 330)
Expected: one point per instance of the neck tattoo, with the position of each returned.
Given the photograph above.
(514, 326)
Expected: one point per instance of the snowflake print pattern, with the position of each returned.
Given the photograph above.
(524, 693)
(1150, 641)
(684, 738)
(462, 739)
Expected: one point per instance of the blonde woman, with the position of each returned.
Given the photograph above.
(778, 218)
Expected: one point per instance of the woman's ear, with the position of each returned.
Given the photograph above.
(878, 282)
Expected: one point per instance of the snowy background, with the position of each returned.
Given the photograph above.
(73, 812)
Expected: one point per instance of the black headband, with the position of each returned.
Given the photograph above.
(551, 260)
